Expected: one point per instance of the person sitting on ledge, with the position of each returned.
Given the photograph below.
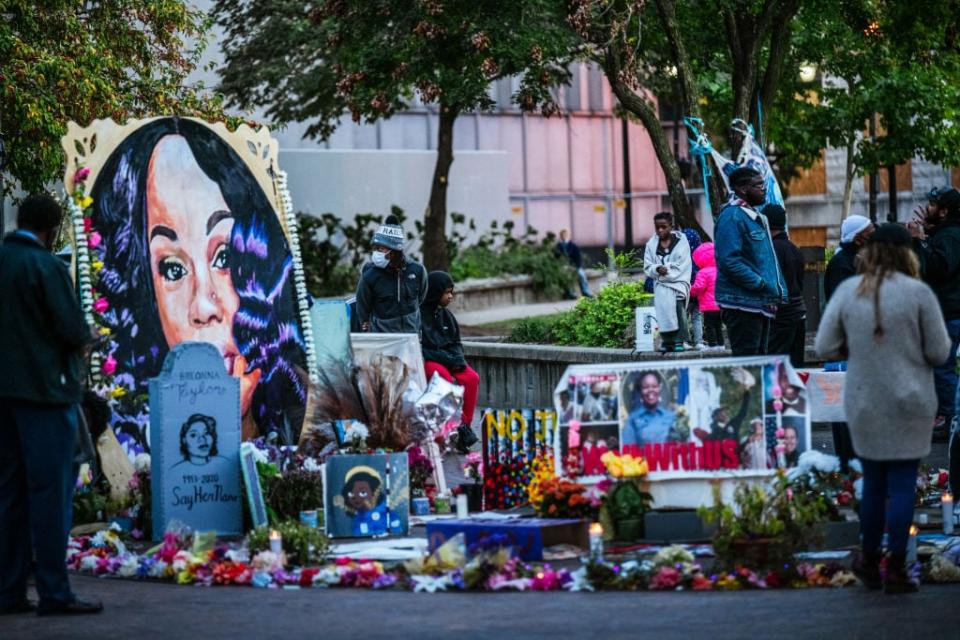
(443, 351)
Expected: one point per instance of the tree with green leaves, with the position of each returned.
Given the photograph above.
(894, 62)
(684, 51)
(63, 60)
(316, 62)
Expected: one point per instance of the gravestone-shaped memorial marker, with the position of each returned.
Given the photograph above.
(195, 439)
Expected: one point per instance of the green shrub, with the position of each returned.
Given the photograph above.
(303, 545)
(497, 253)
(293, 491)
(532, 331)
(608, 320)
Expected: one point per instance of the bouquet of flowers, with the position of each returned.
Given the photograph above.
(626, 501)
(473, 466)
(421, 469)
(562, 498)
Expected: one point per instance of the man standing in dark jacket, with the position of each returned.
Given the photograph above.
(392, 286)
(571, 251)
(853, 235)
(788, 331)
(854, 232)
(42, 337)
(443, 351)
(749, 284)
(940, 267)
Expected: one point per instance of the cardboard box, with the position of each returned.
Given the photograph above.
(529, 536)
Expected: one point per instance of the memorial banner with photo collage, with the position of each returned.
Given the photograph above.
(685, 417)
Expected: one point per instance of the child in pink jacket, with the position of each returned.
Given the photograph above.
(702, 291)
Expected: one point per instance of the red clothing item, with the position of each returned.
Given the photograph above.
(468, 379)
(705, 283)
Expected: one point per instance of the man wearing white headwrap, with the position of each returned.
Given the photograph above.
(853, 234)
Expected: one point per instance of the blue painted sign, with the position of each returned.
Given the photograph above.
(195, 442)
(367, 495)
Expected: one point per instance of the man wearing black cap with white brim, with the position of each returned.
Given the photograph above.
(392, 286)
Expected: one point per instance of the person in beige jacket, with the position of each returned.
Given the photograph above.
(887, 323)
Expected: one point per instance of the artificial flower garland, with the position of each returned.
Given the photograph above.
(303, 298)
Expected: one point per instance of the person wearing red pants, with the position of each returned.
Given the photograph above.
(443, 351)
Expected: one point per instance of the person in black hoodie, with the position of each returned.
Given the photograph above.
(940, 268)
(788, 331)
(443, 351)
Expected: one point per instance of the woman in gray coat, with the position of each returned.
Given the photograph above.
(888, 324)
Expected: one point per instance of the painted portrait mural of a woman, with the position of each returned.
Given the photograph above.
(193, 249)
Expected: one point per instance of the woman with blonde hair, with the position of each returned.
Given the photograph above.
(887, 323)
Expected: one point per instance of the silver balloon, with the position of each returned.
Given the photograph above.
(438, 404)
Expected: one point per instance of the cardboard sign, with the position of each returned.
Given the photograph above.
(647, 328)
(515, 445)
(366, 496)
(195, 431)
(733, 414)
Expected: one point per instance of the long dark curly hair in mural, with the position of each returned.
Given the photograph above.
(193, 250)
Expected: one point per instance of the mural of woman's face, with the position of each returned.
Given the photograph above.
(188, 231)
(198, 441)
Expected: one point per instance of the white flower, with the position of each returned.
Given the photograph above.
(88, 563)
(159, 569)
(310, 464)
(431, 584)
(181, 561)
(328, 576)
(356, 431)
(238, 555)
(580, 581)
(142, 462)
(128, 567)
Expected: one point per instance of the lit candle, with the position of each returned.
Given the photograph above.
(912, 544)
(276, 541)
(946, 504)
(462, 510)
(596, 541)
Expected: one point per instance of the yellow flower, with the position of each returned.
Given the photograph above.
(104, 331)
(96, 265)
(85, 202)
(185, 577)
(118, 392)
(613, 463)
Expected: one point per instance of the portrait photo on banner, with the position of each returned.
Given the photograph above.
(188, 242)
(694, 418)
(785, 407)
(596, 397)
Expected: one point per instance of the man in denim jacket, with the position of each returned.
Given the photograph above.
(749, 282)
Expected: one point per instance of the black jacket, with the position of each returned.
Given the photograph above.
(389, 299)
(791, 265)
(439, 331)
(42, 328)
(940, 265)
(571, 251)
(842, 265)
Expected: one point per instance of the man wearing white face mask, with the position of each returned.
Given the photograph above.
(392, 286)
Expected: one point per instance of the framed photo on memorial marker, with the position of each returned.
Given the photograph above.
(366, 496)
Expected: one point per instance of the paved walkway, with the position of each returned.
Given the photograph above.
(500, 314)
(147, 610)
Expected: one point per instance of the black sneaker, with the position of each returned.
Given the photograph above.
(23, 606)
(466, 438)
(75, 608)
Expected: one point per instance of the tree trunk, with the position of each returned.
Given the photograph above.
(848, 179)
(435, 256)
(641, 107)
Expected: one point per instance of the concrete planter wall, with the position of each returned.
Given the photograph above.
(523, 376)
(514, 376)
(488, 293)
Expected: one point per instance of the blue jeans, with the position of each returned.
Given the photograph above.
(36, 498)
(888, 493)
(584, 284)
(945, 376)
